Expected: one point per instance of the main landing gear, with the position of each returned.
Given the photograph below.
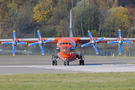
(81, 62)
(54, 61)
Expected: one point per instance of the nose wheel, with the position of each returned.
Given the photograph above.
(54, 61)
(66, 63)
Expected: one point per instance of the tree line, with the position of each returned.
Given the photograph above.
(101, 17)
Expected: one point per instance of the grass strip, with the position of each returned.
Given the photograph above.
(69, 81)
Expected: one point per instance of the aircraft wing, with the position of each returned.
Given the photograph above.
(28, 40)
(84, 40)
(56, 39)
(105, 40)
(94, 40)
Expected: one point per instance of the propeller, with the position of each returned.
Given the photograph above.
(119, 41)
(14, 42)
(93, 42)
(40, 42)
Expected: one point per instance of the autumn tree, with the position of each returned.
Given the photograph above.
(85, 18)
(3, 17)
(63, 29)
(61, 16)
(118, 18)
(61, 10)
(43, 10)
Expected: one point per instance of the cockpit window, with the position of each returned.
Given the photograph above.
(65, 43)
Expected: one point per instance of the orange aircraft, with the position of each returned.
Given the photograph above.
(66, 46)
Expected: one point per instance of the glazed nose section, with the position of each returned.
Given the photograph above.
(64, 47)
(65, 51)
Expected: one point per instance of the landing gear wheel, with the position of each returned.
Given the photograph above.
(54, 61)
(81, 62)
(66, 63)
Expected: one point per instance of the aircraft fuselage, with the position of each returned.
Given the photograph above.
(66, 49)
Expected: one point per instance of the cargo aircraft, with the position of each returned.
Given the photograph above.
(66, 46)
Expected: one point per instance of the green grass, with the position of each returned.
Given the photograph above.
(69, 81)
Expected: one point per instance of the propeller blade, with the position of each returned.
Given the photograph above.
(6, 42)
(32, 44)
(39, 36)
(48, 41)
(42, 49)
(86, 44)
(100, 39)
(90, 35)
(119, 49)
(127, 41)
(14, 35)
(21, 42)
(92, 42)
(119, 34)
(14, 50)
(95, 48)
(112, 42)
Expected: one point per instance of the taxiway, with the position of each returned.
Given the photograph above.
(42, 64)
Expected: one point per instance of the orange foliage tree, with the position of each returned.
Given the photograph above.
(43, 10)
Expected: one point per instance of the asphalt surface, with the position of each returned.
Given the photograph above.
(43, 64)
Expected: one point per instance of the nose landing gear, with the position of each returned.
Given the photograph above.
(66, 63)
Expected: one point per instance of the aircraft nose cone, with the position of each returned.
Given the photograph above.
(64, 47)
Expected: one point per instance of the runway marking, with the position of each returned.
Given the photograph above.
(85, 68)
